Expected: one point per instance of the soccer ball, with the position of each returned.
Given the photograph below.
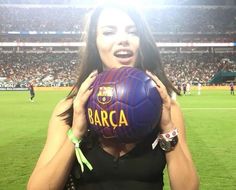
(125, 105)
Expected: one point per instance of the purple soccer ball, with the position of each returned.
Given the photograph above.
(125, 105)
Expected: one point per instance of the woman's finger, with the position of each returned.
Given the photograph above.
(160, 87)
(85, 96)
(84, 92)
(88, 82)
(155, 79)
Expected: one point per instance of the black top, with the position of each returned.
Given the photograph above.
(139, 169)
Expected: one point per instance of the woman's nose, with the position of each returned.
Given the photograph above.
(123, 39)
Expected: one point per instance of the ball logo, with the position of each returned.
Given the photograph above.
(105, 94)
(106, 119)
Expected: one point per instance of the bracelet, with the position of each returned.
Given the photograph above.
(170, 135)
(79, 154)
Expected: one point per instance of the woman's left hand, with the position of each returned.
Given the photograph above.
(165, 123)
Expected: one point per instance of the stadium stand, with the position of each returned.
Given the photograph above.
(164, 20)
(37, 23)
(59, 69)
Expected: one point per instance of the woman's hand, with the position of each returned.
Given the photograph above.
(166, 123)
(79, 125)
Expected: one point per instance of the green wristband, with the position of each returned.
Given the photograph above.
(79, 154)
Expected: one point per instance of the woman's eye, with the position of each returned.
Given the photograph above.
(107, 33)
(133, 32)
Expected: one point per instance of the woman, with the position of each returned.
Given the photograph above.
(116, 37)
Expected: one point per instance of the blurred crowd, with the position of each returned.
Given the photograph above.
(196, 68)
(171, 20)
(199, 20)
(40, 19)
(199, 24)
(47, 69)
(59, 69)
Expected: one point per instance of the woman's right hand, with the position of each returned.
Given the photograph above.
(79, 124)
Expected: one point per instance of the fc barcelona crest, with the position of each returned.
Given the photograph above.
(105, 94)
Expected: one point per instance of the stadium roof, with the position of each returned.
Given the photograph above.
(149, 2)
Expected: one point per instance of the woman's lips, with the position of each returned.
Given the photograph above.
(124, 56)
(123, 53)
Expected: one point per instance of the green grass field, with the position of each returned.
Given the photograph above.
(210, 126)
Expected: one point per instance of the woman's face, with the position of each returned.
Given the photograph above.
(117, 39)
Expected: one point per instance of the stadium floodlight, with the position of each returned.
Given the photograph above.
(142, 4)
(134, 3)
(138, 4)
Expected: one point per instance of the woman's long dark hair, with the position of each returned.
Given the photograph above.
(148, 58)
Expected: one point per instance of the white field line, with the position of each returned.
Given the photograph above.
(208, 108)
